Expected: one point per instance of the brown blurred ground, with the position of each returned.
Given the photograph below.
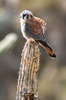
(52, 73)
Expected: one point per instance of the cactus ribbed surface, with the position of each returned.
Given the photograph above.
(27, 87)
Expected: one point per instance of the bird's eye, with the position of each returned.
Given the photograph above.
(24, 16)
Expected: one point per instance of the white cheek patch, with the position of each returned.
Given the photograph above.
(29, 16)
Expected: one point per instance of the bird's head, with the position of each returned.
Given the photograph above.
(26, 15)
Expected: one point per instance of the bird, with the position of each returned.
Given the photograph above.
(33, 29)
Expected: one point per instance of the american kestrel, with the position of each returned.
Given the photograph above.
(33, 28)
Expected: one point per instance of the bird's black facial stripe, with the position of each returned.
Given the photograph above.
(31, 16)
(25, 15)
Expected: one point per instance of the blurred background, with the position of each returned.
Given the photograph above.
(52, 72)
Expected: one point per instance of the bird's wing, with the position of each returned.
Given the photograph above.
(41, 22)
(36, 25)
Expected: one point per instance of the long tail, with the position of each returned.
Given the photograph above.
(47, 48)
